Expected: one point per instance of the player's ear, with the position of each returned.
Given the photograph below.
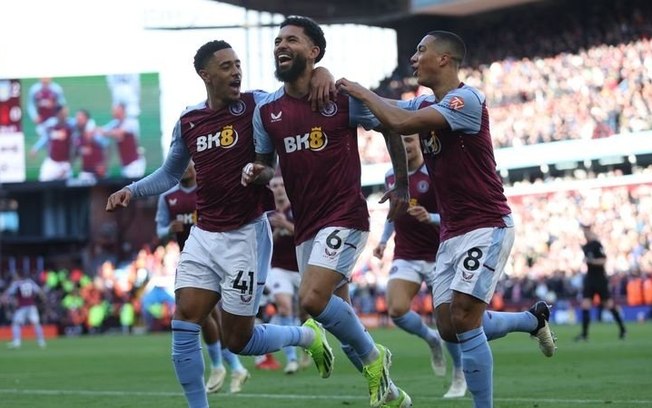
(203, 74)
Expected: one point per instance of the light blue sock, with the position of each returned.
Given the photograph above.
(268, 338)
(339, 318)
(412, 323)
(189, 362)
(15, 332)
(215, 354)
(455, 351)
(477, 363)
(289, 351)
(499, 324)
(40, 336)
(232, 360)
(352, 356)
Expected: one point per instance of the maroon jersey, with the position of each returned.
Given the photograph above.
(319, 159)
(461, 163)
(25, 291)
(181, 206)
(415, 240)
(92, 155)
(284, 255)
(60, 139)
(46, 99)
(221, 144)
(128, 144)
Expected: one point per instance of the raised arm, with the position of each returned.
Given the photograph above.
(391, 116)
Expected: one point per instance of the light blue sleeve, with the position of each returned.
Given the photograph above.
(388, 230)
(61, 98)
(109, 126)
(101, 140)
(31, 105)
(259, 95)
(262, 140)
(414, 103)
(43, 132)
(462, 109)
(359, 114)
(162, 218)
(170, 172)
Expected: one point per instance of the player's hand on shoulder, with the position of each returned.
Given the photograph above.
(351, 88)
(119, 199)
(322, 88)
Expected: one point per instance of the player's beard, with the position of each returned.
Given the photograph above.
(296, 69)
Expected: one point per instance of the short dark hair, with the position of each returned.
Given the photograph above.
(452, 42)
(206, 51)
(312, 30)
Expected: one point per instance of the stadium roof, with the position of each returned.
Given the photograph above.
(374, 12)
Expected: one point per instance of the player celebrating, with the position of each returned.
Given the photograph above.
(477, 230)
(176, 215)
(332, 220)
(228, 252)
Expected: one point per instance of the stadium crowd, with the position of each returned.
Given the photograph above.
(577, 83)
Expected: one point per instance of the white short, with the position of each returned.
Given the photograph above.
(472, 263)
(54, 170)
(233, 263)
(24, 314)
(333, 248)
(413, 271)
(135, 169)
(283, 281)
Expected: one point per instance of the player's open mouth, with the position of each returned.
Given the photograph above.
(235, 86)
(283, 59)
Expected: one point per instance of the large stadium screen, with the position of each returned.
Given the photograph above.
(79, 130)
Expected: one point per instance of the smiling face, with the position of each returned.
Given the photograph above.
(293, 49)
(223, 76)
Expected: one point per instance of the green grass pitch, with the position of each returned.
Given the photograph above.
(136, 371)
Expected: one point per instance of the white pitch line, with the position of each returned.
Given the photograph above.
(303, 397)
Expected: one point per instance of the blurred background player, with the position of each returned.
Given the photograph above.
(596, 283)
(44, 98)
(175, 215)
(55, 133)
(24, 292)
(284, 278)
(91, 147)
(125, 90)
(125, 131)
(416, 243)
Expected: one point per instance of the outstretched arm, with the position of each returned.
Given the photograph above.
(395, 118)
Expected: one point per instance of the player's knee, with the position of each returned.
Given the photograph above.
(313, 302)
(236, 342)
(397, 309)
